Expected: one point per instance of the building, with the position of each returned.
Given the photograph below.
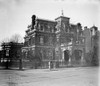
(58, 42)
(10, 54)
(91, 45)
(40, 40)
(95, 45)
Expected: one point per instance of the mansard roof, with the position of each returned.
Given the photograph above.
(62, 17)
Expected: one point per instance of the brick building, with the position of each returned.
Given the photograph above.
(58, 41)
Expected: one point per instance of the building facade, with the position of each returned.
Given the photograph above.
(95, 45)
(59, 42)
(91, 45)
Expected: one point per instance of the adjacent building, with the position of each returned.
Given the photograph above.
(10, 55)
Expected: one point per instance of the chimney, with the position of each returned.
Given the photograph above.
(33, 21)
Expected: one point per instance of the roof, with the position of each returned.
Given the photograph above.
(62, 17)
(47, 20)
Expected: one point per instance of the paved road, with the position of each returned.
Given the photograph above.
(86, 76)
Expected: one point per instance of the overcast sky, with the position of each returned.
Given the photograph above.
(15, 15)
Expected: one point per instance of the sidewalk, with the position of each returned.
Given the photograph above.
(45, 70)
(50, 70)
(55, 70)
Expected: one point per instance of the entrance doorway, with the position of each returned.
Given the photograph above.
(66, 55)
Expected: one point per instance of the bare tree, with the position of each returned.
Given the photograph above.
(16, 38)
(5, 40)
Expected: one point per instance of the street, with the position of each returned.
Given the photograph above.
(79, 76)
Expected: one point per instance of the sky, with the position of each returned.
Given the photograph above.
(15, 15)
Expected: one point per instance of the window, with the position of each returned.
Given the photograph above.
(41, 40)
(48, 28)
(7, 52)
(64, 26)
(33, 51)
(57, 51)
(49, 54)
(93, 32)
(33, 40)
(77, 42)
(26, 42)
(42, 28)
(29, 42)
(67, 29)
(82, 40)
(52, 30)
(50, 40)
(81, 34)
